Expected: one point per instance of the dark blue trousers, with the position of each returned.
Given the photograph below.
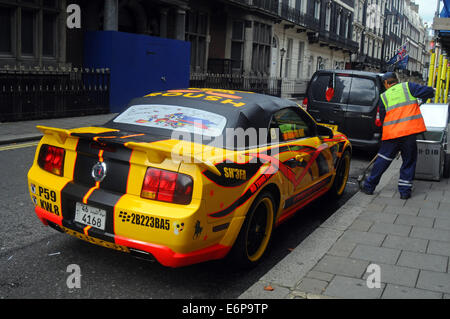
(407, 145)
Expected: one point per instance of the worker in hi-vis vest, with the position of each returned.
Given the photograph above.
(402, 121)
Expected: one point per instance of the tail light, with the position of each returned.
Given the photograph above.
(378, 118)
(305, 103)
(167, 186)
(51, 159)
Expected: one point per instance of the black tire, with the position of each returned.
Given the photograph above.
(342, 174)
(256, 232)
(446, 172)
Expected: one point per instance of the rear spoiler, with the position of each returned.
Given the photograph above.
(60, 134)
(157, 154)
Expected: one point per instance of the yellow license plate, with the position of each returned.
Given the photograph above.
(333, 127)
(95, 241)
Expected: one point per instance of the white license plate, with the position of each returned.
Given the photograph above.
(90, 216)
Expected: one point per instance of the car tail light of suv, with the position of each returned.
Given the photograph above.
(167, 186)
(305, 103)
(378, 122)
(51, 159)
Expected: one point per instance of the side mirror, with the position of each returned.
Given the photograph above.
(324, 131)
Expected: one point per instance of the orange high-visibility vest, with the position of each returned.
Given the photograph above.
(403, 116)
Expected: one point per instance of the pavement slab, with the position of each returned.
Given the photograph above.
(397, 275)
(439, 248)
(430, 233)
(342, 266)
(423, 261)
(399, 292)
(434, 281)
(352, 288)
(406, 243)
(376, 254)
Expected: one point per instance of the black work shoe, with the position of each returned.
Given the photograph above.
(366, 191)
(405, 196)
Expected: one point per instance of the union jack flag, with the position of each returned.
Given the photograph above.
(401, 54)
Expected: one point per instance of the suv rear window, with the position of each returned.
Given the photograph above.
(364, 92)
(341, 91)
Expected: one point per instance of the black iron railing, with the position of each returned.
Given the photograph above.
(270, 6)
(26, 95)
(263, 85)
(332, 39)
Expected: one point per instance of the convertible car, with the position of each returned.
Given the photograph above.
(186, 176)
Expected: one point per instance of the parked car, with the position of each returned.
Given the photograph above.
(139, 184)
(350, 107)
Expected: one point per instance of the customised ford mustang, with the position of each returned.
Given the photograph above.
(186, 176)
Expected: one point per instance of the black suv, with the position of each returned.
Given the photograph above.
(352, 108)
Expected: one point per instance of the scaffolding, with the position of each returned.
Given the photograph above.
(439, 76)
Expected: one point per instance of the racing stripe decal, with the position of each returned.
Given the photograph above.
(86, 229)
(233, 174)
(103, 195)
(275, 165)
(287, 172)
(90, 191)
(297, 198)
(263, 179)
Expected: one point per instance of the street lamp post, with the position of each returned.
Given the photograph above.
(282, 53)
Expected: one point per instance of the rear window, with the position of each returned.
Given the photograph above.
(176, 118)
(341, 91)
(364, 92)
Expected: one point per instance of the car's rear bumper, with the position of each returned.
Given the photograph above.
(164, 255)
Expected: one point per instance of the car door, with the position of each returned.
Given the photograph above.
(307, 164)
(329, 111)
(362, 108)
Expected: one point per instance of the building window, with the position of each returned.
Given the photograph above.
(338, 26)
(28, 31)
(196, 30)
(288, 59)
(320, 63)
(49, 34)
(301, 52)
(347, 26)
(317, 10)
(328, 17)
(360, 12)
(5, 30)
(31, 26)
(262, 35)
(237, 45)
(310, 66)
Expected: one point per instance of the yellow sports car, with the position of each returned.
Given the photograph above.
(186, 176)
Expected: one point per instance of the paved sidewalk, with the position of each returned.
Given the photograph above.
(408, 240)
(16, 132)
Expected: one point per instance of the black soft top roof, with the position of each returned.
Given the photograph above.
(241, 109)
